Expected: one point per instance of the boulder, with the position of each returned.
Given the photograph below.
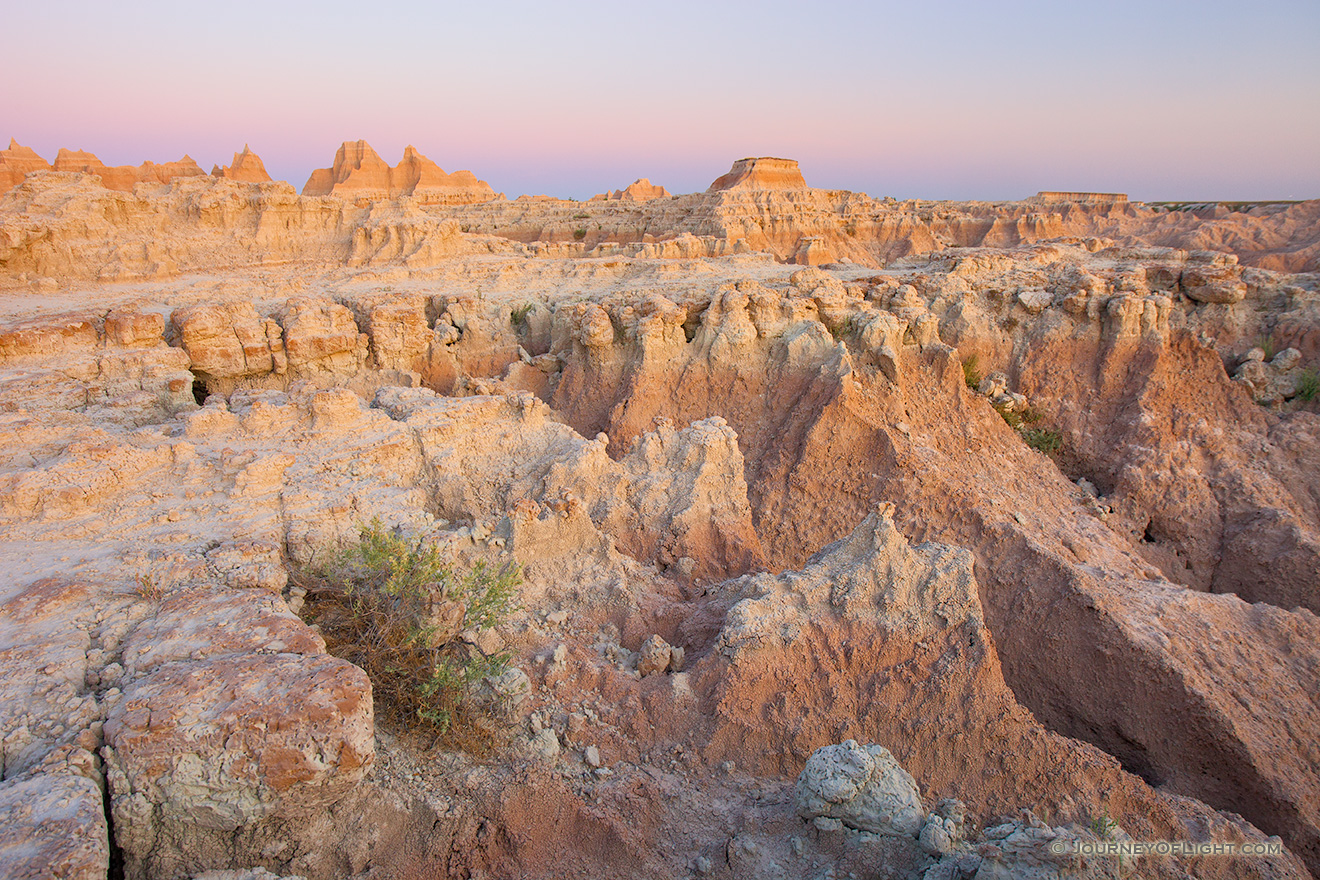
(196, 751)
(861, 786)
(229, 340)
(321, 336)
(52, 821)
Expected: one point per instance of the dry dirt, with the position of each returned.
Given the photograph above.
(1026, 493)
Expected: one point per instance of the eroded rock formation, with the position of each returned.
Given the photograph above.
(246, 167)
(987, 517)
(358, 173)
(16, 162)
(764, 173)
(640, 190)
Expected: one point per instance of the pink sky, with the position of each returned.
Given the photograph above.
(1205, 100)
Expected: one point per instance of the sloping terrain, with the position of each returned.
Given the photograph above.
(1025, 494)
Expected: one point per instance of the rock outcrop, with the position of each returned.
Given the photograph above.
(640, 190)
(124, 177)
(17, 162)
(201, 750)
(764, 173)
(862, 787)
(247, 167)
(359, 173)
(52, 820)
(72, 227)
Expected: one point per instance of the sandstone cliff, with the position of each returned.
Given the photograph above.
(359, 173)
(247, 167)
(640, 190)
(124, 177)
(16, 162)
(764, 173)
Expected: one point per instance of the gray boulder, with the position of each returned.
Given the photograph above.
(861, 786)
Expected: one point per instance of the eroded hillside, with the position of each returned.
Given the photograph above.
(1024, 493)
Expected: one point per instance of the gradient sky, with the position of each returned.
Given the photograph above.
(957, 99)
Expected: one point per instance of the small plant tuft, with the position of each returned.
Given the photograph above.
(579, 234)
(581, 216)
(1103, 827)
(972, 372)
(1011, 417)
(1308, 385)
(519, 315)
(845, 328)
(147, 589)
(392, 607)
(1043, 439)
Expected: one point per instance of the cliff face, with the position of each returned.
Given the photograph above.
(70, 226)
(246, 167)
(124, 177)
(16, 162)
(359, 173)
(640, 190)
(761, 174)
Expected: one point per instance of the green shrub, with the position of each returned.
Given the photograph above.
(1011, 417)
(519, 315)
(393, 608)
(581, 216)
(579, 234)
(1043, 439)
(1308, 385)
(972, 372)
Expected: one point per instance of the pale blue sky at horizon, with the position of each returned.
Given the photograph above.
(962, 100)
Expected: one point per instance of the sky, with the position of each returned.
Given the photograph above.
(961, 99)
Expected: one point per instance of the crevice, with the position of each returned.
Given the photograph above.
(116, 869)
(200, 390)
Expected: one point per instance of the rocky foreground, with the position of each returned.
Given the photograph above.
(860, 537)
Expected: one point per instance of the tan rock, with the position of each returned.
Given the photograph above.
(653, 656)
(193, 625)
(640, 190)
(763, 173)
(246, 167)
(48, 339)
(321, 336)
(400, 337)
(131, 328)
(359, 173)
(428, 184)
(197, 750)
(228, 341)
(17, 162)
(125, 177)
(52, 822)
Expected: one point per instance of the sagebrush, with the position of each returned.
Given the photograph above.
(972, 372)
(1308, 385)
(391, 606)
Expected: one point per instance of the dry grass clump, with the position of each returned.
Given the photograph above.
(391, 606)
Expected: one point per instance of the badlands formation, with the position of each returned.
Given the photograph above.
(859, 538)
